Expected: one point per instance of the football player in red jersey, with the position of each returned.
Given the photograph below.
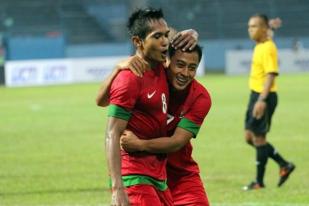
(140, 105)
(188, 106)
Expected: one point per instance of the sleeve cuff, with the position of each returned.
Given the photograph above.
(118, 112)
(189, 126)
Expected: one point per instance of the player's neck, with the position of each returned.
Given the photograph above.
(151, 63)
(176, 93)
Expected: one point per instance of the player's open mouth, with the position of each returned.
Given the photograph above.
(182, 81)
(164, 53)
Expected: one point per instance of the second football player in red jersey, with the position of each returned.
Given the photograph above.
(188, 106)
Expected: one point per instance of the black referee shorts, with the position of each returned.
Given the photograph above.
(260, 126)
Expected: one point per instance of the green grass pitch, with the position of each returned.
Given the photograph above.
(52, 145)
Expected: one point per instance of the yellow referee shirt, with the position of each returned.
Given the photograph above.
(264, 60)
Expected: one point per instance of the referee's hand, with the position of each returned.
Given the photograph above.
(259, 109)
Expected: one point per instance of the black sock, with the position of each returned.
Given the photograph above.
(261, 161)
(250, 142)
(272, 153)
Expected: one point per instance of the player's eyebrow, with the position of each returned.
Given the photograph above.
(179, 61)
(161, 33)
(193, 65)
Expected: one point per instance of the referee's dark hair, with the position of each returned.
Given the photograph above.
(264, 18)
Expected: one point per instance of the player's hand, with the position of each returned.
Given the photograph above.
(259, 109)
(130, 142)
(275, 23)
(136, 64)
(186, 39)
(119, 197)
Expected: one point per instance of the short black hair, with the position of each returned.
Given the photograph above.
(138, 21)
(264, 18)
(198, 49)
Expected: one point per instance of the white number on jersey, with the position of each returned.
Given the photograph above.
(170, 118)
(164, 105)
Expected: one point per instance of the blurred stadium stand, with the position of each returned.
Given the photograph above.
(215, 19)
(92, 27)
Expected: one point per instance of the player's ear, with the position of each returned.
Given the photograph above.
(136, 41)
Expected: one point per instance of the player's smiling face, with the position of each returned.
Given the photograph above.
(256, 29)
(155, 44)
(182, 69)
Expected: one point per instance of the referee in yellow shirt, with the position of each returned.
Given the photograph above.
(263, 101)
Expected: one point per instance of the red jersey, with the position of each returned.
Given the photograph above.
(144, 103)
(186, 110)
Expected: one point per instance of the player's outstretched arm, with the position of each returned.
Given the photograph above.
(131, 143)
(115, 127)
(137, 65)
(274, 24)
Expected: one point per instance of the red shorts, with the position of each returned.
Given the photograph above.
(188, 190)
(148, 195)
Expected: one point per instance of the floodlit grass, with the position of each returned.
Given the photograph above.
(52, 145)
